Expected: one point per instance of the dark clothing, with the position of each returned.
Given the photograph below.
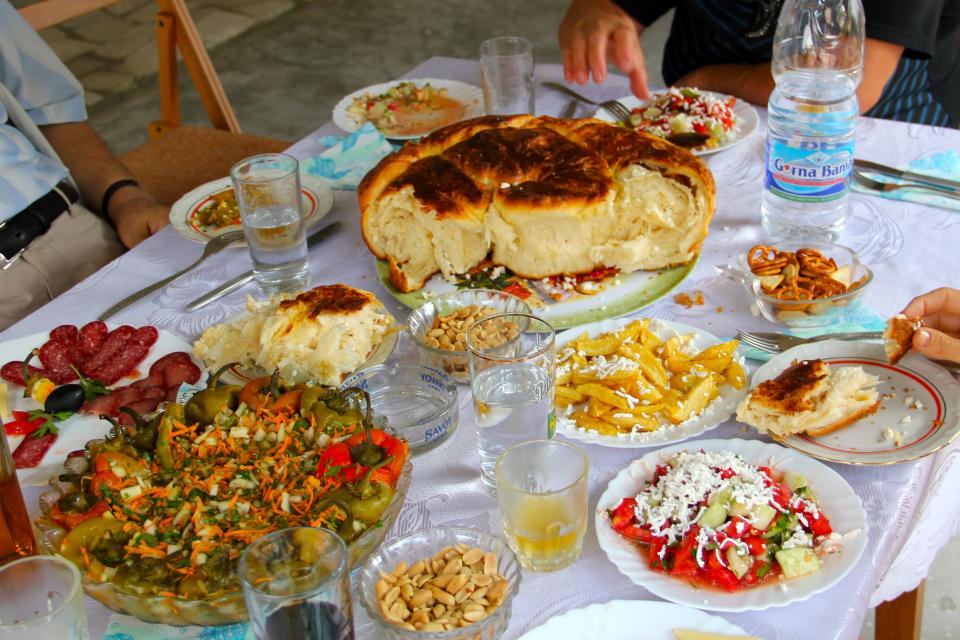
(925, 87)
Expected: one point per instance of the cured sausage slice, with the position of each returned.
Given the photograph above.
(58, 358)
(112, 345)
(13, 372)
(31, 450)
(92, 336)
(176, 373)
(65, 333)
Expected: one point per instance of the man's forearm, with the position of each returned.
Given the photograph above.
(92, 165)
(752, 83)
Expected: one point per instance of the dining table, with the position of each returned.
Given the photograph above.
(913, 507)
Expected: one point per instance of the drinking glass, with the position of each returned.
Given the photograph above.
(513, 384)
(16, 535)
(296, 583)
(42, 598)
(542, 489)
(268, 194)
(506, 70)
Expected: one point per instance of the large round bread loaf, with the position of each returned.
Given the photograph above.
(544, 196)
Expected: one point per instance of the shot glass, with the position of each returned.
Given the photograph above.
(506, 70)
(268, 194)
(42, 598)
(296, 583)
(512, 359)
(542, 488)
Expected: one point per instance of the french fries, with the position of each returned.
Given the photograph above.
(634, 381)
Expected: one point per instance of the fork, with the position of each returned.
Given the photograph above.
(216, 245)
(617, 109)
(885, 187)
(778, 342)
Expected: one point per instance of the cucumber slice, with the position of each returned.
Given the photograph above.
(794, 480)
(761, 516)
(722, 496)
(738, 563)
(798, 561)
(714, 516)
(739, 509)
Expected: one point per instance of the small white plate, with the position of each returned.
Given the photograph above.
(747, 120)
(316, 196)
(836, 498)
(468, 95)
(715, 413)
(622, 619)
(922, 431)
(79, 429)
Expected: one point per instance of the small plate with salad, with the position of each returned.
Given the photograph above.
(680, 113)
(409, 109)
(731, 525)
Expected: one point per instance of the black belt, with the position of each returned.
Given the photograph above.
(18, 232)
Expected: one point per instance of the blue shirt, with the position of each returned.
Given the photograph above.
(49, 93)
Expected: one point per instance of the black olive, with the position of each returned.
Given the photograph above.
(68, 397)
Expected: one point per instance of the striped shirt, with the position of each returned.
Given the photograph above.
(706, 32)
(49, 93)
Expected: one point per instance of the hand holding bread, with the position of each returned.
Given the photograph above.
(939, 311)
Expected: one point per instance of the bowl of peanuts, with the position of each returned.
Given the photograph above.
(442, 582)
(439, 327)
(806, 284)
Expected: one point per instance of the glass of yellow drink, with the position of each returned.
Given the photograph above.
(542, 488)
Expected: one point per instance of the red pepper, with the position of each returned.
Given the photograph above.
(517, 289)
(684, 561)
(106, 479)
(757, 545)
(22, 425)
(622, 515)
(819, 524)
(337, 456)
(69, 520)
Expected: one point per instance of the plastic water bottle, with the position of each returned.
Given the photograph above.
(812, 117)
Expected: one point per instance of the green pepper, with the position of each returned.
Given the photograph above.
(144, 436)
(341, 498)
(368, 510)
(173, 413)
(204, 406)
(84, 535)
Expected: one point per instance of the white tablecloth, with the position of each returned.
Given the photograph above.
(914, 508)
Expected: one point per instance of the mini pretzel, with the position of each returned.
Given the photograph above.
(793, 293)
(766, 261)
(814, 263)
(827, 287)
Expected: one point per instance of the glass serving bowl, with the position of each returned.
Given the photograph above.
(819, 312)
(225, 609)
(423, 544)
(422, 320)
(418, 402)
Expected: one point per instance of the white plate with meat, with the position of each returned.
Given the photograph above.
(140, 366)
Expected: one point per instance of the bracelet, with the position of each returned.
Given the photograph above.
(112, 189)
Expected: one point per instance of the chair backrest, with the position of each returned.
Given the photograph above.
(176, 30)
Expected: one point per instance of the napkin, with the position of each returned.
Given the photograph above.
(945, 164)
(860, 318)
(123, 627)
(348, 158)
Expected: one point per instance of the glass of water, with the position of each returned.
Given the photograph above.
(42, 598)
(506, 70)
(268, 194)
(542, 488)
(296, 583)
(512, 376)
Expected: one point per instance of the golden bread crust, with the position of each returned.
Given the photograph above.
(898, 337)
(791, 392)
(331, 299)
(846, 421)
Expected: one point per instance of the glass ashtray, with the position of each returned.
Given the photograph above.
(419, 402)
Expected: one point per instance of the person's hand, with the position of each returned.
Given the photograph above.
(137, 216)
(940, 311)
(593, 31)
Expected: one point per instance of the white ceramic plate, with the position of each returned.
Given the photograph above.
(837, 500)
(715, 413)
(923, 429)
(468, 95)
(316, 196)
(747, 120)
(77, 430)
(622, 619)
(236, 375)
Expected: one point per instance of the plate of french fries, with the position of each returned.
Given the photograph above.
(641, 382)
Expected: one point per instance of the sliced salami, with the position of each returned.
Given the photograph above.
(13, 372)
(126, 395)
(176, 373)
(103, 405)
(92, 336)
(31, 450)
(114, 343)
(58, 358)
(146, 336)
(152, 380)
(65, 333)
(161, 364)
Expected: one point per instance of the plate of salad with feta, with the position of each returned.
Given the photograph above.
(731, 525)
(703, 121)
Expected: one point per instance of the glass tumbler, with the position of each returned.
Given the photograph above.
(296, 583)
(542, 488)
(42, 598)
(512, 358)
(506, 70)
(271, 209)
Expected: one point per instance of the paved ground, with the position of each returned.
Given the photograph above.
(285, 63)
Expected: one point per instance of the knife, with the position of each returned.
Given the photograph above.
(943, 183)
(235, 283)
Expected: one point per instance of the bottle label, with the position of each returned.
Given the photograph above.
(808, 171)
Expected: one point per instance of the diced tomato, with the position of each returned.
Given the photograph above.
(660, 471)
(737, 527)
(622, 516)
(819, 524)
(719, 575)
(656, 544)
(684, 560)
(637, 533)
(699, 127)
(757, 545)
(767, 471)
(517, 289)
(727, 473)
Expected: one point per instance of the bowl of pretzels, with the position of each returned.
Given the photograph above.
(805, 284)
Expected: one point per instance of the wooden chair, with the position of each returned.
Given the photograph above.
(178, 157)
